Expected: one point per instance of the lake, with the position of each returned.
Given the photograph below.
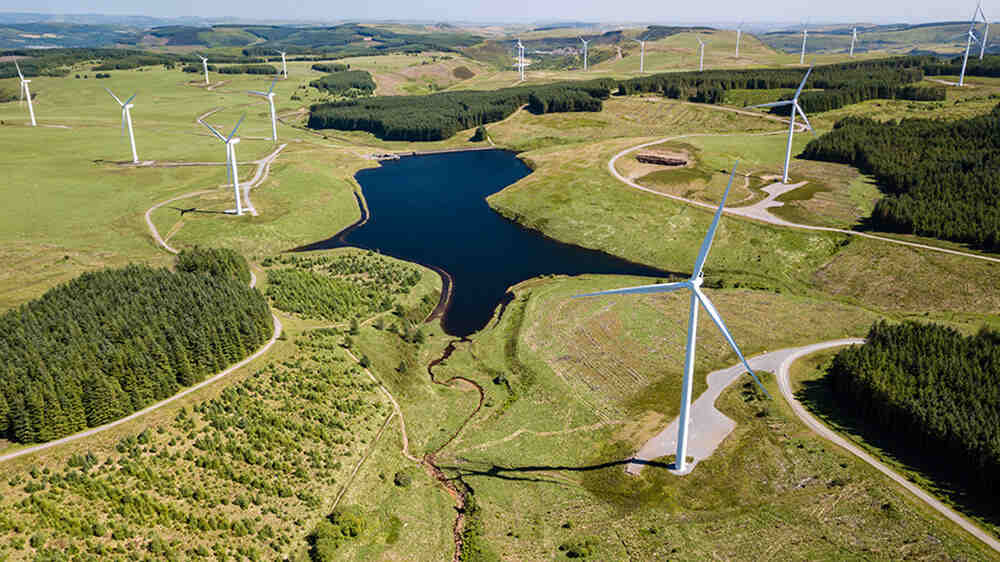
(431, 209)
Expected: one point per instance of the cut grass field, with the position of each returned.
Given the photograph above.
(773, 489)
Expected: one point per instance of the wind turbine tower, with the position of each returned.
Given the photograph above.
(204, 64)
(970, 37)
(127, 121)
(986, 32)
(269, 94)
(584, 53)
(284, 63)
(805, 35)
(520, 58)
(796, 108)
(231, 141)
(701, 56)
(854, 40)
(26, 93)
(739, 36)
(642, 55)
(698, 297)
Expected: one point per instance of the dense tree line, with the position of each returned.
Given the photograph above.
(439, 116)
(218, 262)
(989, 66)
(933, 389)
(342, 82)
(114, 341)
(247, 69)
(841, 84)
(331, 67)
(942, 177)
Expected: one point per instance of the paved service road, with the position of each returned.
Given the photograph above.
(828, 434)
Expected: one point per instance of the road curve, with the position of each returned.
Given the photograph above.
(755, 213)
(828, 434)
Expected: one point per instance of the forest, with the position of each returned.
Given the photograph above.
(934, 390)
(439, 116)
(341, 83)
(112, 342)
(989, 66)
(337, 288)
(840, 84)
(942, 178)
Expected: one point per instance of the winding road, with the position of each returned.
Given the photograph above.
(759, 211)
(790, 356)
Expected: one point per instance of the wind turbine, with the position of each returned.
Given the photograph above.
(231, 141)
(693, 284)
(284, 64)
(970, 37)
(269, 94)
(805, 35)
(796, 108)
(701, 57)
(986, 32)
(26, 93)
(584, 53)
(520, 58)
(854, 40)
(127, 120)
(739, 35)
(204, 64)
(642, 55)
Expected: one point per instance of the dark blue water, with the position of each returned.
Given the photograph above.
(431, 209)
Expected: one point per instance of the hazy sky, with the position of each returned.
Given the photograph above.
(879, 11)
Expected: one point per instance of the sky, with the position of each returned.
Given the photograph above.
(653, 11)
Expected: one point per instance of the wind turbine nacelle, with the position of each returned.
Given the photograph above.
(129, 106)
(234, 140)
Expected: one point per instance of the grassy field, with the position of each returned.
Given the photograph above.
(772, 489)
(570, 388)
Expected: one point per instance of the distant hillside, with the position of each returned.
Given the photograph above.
(930, 38)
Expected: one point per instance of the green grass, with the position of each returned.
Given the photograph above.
(543, 480)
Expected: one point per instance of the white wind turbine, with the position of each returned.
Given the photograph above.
(520, 58)
(854, 40)
(26, 93)
(127, 121)
(805, 35)
(693, 284)
(584, 53)
(642, 55)
(970, 37)
(701, 57)
(794, 102)
(231, 141)
(986, 32)
(284, 63)
(204, 64)
(269, 94)
(739, 36)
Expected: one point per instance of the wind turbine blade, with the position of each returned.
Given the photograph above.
(643, 290)
(714, 314)
(803, 84)
(128, 101)
(804, 118)
(236, 128)
(773, 104)
(256, 93)
(707, 244)
(114, 96)
(214, 132)
(123, 122)
(229, 159)
(273, 82)
(18, 67)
